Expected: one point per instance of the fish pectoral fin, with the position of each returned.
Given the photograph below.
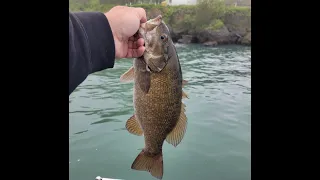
(177, 134)
(128, 76)
(184, 95)
(184, 82)
(133, 126)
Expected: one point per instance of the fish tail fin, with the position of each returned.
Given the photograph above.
(152, 164)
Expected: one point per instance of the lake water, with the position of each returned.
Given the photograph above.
(217, 144)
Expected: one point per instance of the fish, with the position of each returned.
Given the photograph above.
(159, 113)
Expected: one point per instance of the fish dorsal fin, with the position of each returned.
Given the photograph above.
(177, 134)
(133, 126)
(184, 95)
(184, 82)
(183, 107)
(128, 76)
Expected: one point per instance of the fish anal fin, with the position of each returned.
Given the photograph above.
(177, 134)
(128, 76)
(152, 164)
(133, 126)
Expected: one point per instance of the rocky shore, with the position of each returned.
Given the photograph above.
(213, 38)
(234, 28)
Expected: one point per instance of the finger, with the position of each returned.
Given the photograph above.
(141, 14)
(134, 53)
(140, 51)
(136, 43)
(140, 42)
(132, 45)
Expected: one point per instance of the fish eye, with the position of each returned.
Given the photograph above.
(162, 37)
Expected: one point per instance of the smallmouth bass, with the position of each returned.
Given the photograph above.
(159, 112)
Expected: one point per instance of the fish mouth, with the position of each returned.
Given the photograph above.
(155, 21)
(152, 23)
(149, 25)
(145, 32)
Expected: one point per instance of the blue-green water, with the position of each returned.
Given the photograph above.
(217, 144)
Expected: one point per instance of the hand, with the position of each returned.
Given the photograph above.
(125, 22)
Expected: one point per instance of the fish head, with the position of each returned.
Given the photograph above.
(157, 39)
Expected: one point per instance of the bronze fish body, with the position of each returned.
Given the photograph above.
(159, 111)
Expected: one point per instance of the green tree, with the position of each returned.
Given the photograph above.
(209, 10)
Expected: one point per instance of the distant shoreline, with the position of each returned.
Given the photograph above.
(207, 24)
(231, 39)
(217, 45)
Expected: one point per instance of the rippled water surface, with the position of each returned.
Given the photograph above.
(217, 142)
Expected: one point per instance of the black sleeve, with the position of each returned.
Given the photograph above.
(91, 46)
